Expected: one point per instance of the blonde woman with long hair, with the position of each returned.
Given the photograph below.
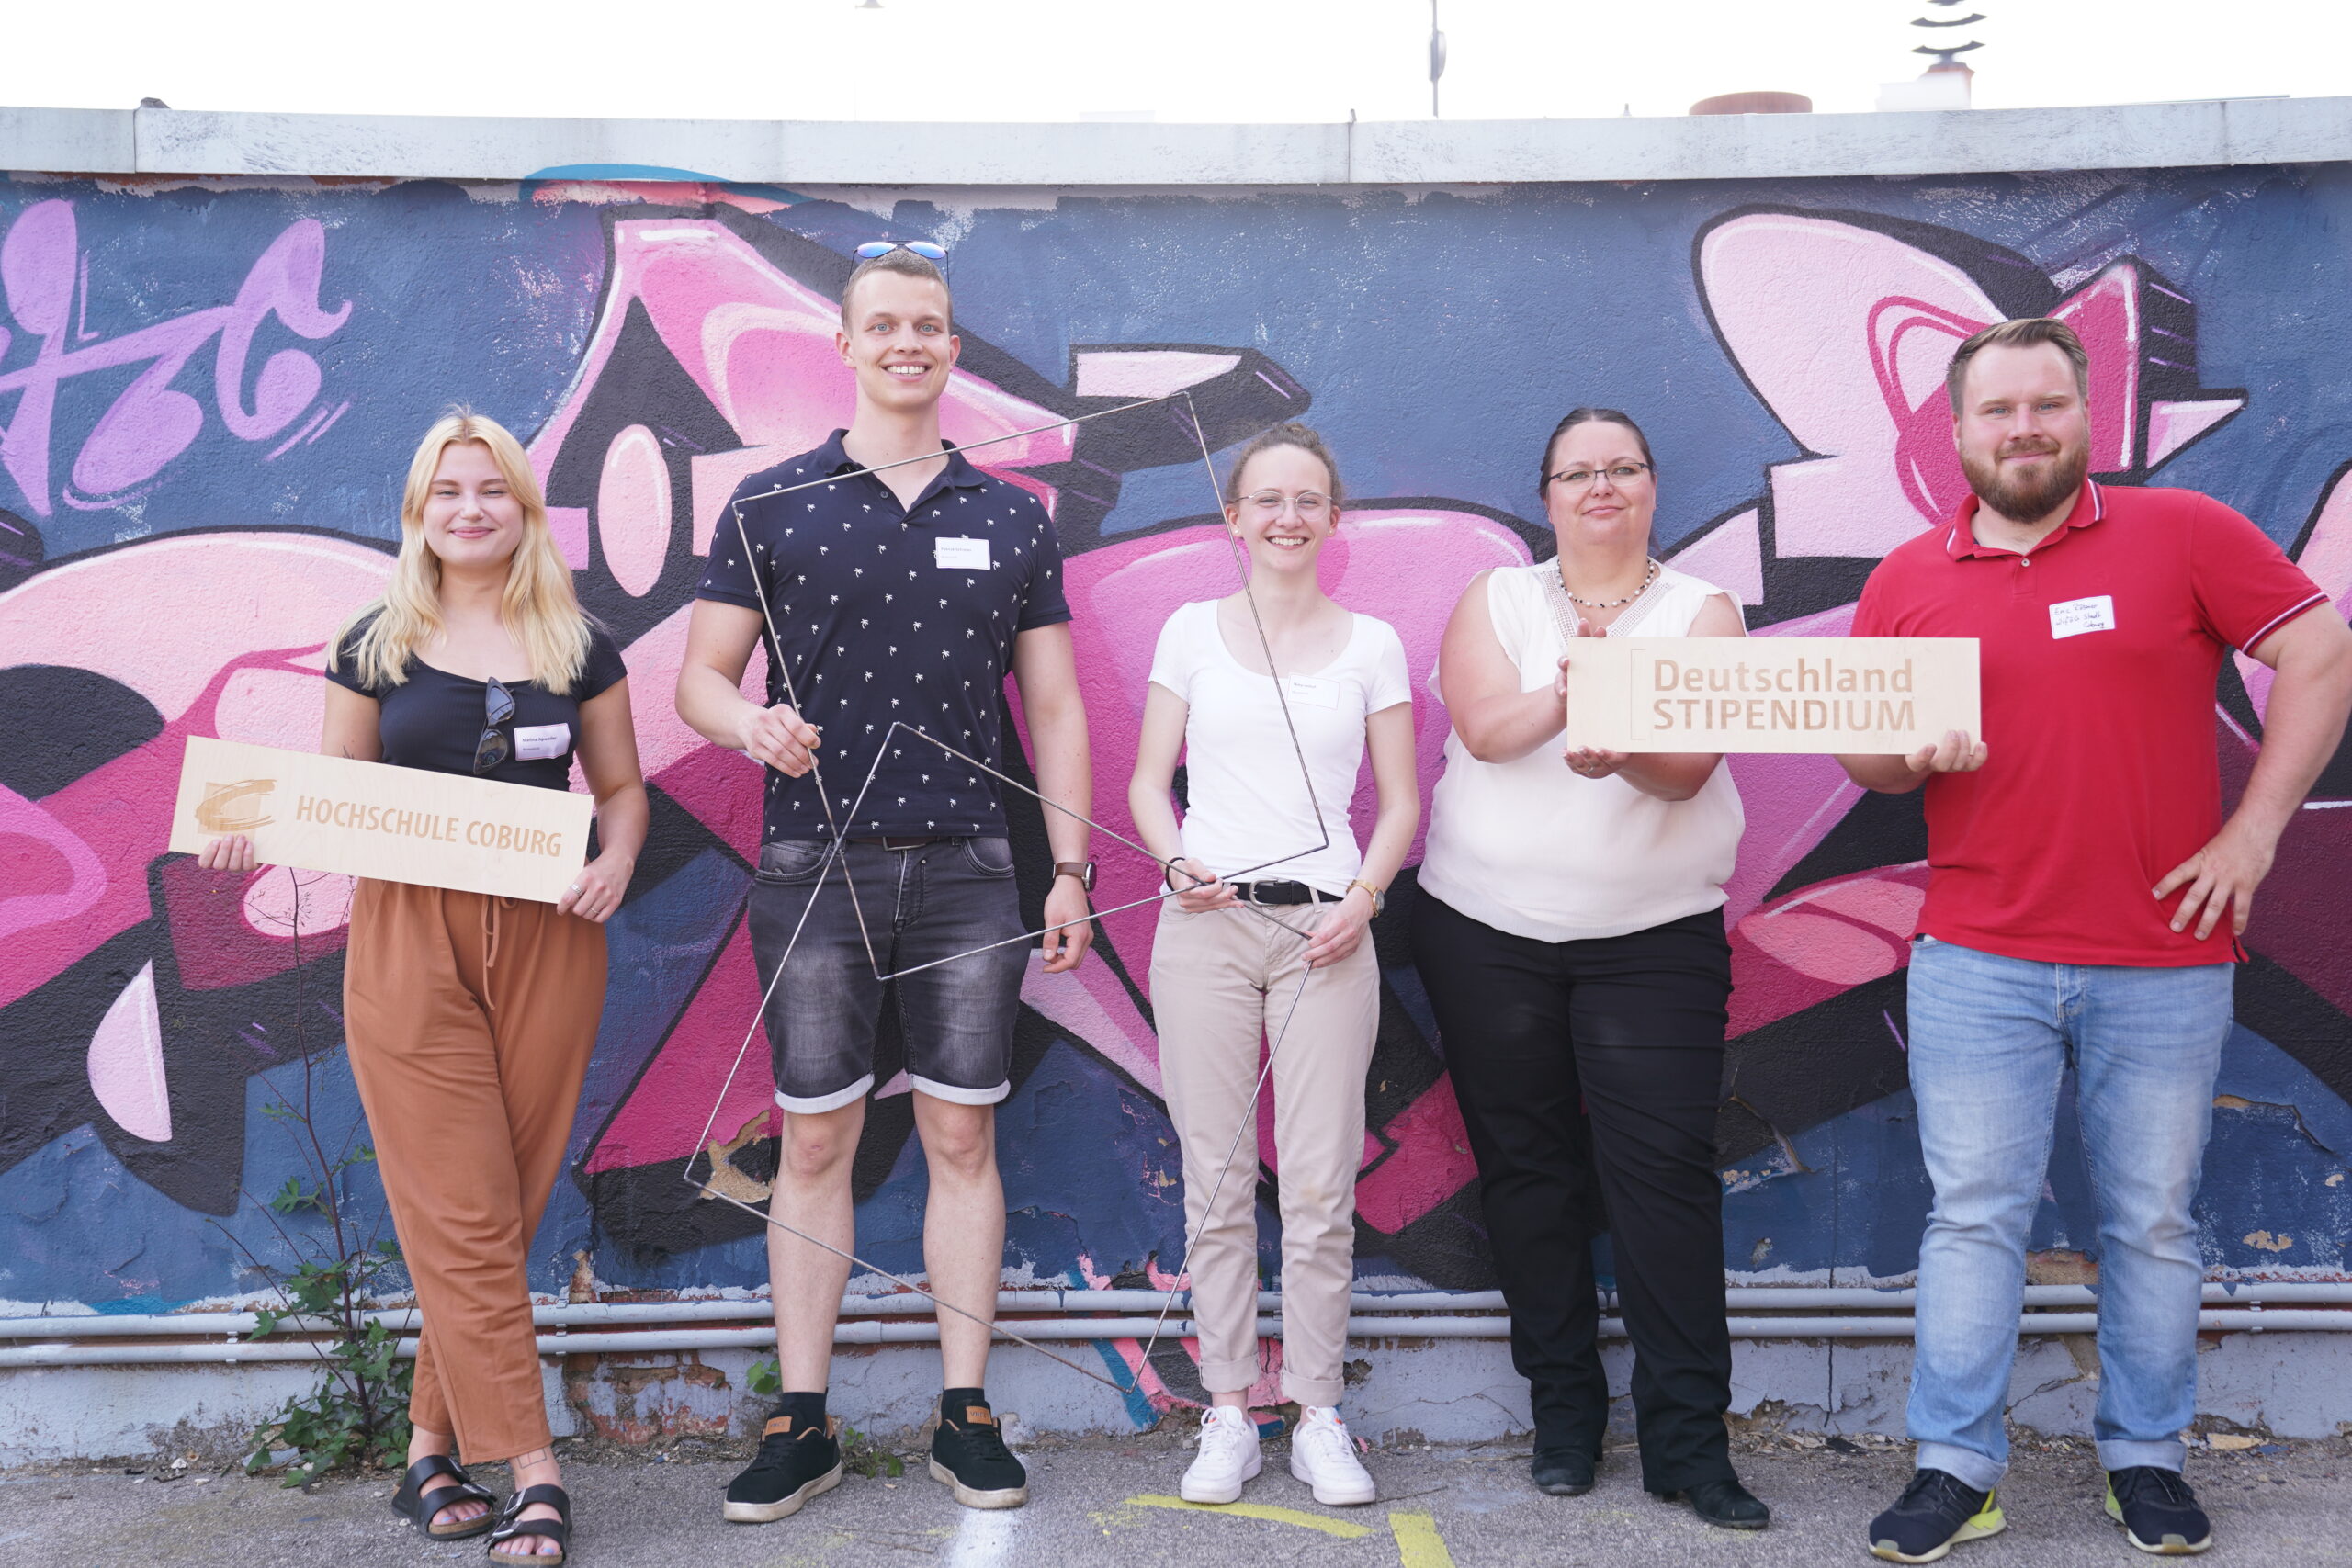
(470, 1018)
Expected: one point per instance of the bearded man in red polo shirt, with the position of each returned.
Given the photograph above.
(2084, 902)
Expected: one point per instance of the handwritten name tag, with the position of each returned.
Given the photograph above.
(538, 742)
(2077, 617)
(1314, 691)
(965, 555)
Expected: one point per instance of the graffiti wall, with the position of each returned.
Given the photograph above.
(209, 393)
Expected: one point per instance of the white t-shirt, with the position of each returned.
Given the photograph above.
(1529, 848)
(1246, 801)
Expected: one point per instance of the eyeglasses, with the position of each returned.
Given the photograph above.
(1310, 506)
(924, 248)
(493, 749)
(1620, 474)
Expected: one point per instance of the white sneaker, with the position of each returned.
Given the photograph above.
(1228, 1457)
(1324, 1456)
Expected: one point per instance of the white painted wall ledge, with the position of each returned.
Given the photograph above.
(798, 153)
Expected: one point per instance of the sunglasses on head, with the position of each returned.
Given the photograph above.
(924, 248)
(493, 749)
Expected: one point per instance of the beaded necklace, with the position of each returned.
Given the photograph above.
(1647, 578)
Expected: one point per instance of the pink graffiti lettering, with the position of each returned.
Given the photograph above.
(150, 423)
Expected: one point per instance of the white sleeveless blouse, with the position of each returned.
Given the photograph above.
(1530, 848)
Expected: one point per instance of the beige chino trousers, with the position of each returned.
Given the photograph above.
(1222, 985)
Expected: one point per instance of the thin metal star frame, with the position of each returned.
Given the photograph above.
(835, 858)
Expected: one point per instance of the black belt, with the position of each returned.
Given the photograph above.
(1283, 893)
(908, 843)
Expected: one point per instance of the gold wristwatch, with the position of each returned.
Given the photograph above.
(1379, 899)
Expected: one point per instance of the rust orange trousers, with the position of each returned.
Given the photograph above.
(470, 1020)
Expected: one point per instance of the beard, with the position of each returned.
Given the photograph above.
(2028, 498)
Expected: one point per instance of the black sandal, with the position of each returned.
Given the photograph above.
(413, 1503)
(558, 1530)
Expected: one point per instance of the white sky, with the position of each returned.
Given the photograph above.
(1180, 59)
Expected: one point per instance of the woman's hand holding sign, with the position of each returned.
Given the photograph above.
(233, 853)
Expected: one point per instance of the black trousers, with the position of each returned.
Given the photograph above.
(1590, 1074)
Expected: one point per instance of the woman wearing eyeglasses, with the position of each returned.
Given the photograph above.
(1262, 942)
(470, 1018)
(1569, 932)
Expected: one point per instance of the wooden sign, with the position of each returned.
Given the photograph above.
(1772, 693)
(370, 820)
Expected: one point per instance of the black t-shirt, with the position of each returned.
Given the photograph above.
(434, 719)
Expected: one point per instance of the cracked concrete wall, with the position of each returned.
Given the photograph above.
(210, 388)
(1446, 1391)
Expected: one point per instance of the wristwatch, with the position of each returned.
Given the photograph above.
(1081, 869)
(1379, 899)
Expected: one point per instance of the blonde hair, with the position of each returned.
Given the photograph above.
(905, 264)
(539, 607)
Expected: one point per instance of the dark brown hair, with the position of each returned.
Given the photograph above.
(905, 264)
(2023, 332)
(1589, 416)
(1288, 434)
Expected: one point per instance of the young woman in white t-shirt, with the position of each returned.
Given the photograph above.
(1295, 966)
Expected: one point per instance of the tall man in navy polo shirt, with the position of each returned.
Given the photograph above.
(903, 594)
(2084, 901)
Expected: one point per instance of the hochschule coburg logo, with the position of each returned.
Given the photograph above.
(238, 808)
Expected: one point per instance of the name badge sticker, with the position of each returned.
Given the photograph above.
(538, 742)
(2077, 617)
(962, 555)
(1315, 691)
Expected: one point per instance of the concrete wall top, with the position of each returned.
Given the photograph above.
(2179, 135)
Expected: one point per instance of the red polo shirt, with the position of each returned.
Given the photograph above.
(2099, 653)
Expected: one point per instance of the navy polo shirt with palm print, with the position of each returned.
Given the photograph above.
(884, 612)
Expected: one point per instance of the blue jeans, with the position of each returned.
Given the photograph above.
(1990, 1039)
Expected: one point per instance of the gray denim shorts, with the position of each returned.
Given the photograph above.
(919, 906)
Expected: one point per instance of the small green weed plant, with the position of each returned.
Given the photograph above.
(860, 1453)
(357, 1412)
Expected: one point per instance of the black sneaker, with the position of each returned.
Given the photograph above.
(790, 1467)
(2158, 1512)
(1935, 1513)
(968, 1456)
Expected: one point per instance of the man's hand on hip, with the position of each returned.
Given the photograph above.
(2221, 876)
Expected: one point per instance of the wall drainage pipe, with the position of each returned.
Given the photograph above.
(878, 1329)
(586, 1314)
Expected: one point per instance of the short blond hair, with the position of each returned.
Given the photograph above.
(905, 264)
(2026, 332)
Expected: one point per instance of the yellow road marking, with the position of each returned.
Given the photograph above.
(1340, 1527)
(1418, 1543)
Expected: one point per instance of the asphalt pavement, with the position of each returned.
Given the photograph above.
(1112, 1501)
